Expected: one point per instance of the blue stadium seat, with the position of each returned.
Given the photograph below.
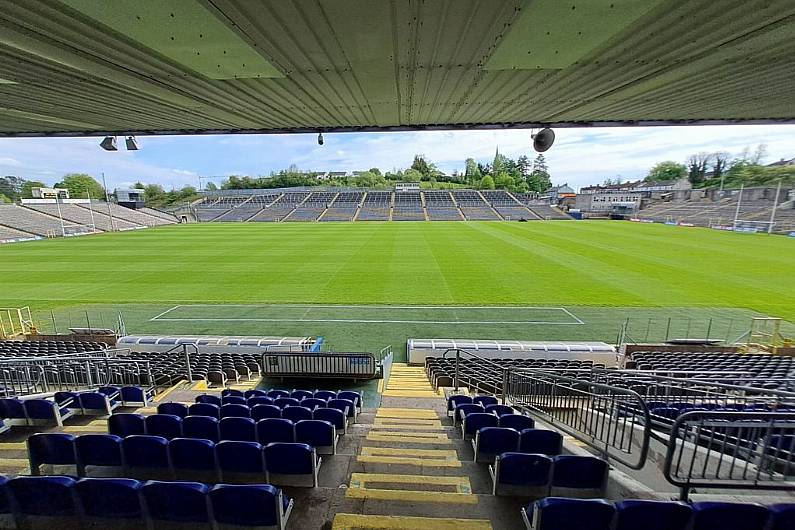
(670, 413)
(42, 502)
(248, 394)
(68, 400)
(729, 516)
(97, 450)
(579, 476)
(13, 411)
(194, 458)
(177, 502)
(165, 425)
(275, 394)
(521, 475)
(235, 410)
(56, 448)
(133, 396)
(454, 401)
(652, 515)
(314, 403)
(124, 425)
(259, 400)
(283, 402)
(291, 464)
(335, 417)
(319, 434)
(145, 455)
(492, 441)
(475, 421)
(238, 429)
(272, 430)
(113, 392)
(234, 400)
(555, 513)
(325, 395)
(97, 403)
(110, 502)
(519, 422)
(209, 398)
(345, 405)
(175, 409)
(300, 395)
(45, 412)
(205, 427)
(352, 395)
(500, 410)
(485, 400)
(257, 506)
(540, 441)
(232, 392)
(295, 414)
(205, 409)
(240, 459)
(464, 409)
(261, 412)
(782, 516)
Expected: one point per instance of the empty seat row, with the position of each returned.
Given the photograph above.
(247, 409)
(538, 475)
(300, 395)
(323, 424)
(556, 513)
(492, 441)
(120, 503)
(286, 463)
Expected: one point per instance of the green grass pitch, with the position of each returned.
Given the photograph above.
(600, 272)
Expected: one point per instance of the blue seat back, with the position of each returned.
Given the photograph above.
(232, 392)
(67, 399)
(496, 440)
(205, 427)
(325, 395)
(522, 469)
(275, 394)
(317, 433)
(540, 441)
(586, 472)
(233, 400)
(239, 457)
(238, 429)
(729, 516)
(183, 502)
(145, 451)
(783, 516)
(500, 410)
(477, 420)
(555, 513)
(350, 395)
(301, 394)
(40, 409)
(192, 453)
(94, 401)
(283, 402)
(47, 496)
(113, 392)
(652, 515)
(519, 422)
(209, 398)
(12, 408)
(334, 416)
(235, 410)
(110, 498)
(166, 425)
(289, 458)
(248, 394)
(51, 448)
(313, 403)
(485, 400)
(133, 394)
(295, 414)
(272, 430)
(98, 450)
(454, 401)
(175, 409)
(259, 400)
(261, 412)
(124, 425)
(250, 505)
(205, 409)
(463, 410)
(342, 404)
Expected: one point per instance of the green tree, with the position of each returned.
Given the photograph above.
(5, 199)
(503, 181)
(426, 169)
(26, 192)
(472, 172)
(80, 184)
(412, 175)
(139, 186)
(210, 186)
(375, 171)
(154, 194)
(11, 186)
(487, 183)
(668, 170)
(539, 179)
(523, 166)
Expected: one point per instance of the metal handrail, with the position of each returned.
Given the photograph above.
(456, 378)
(731, 450)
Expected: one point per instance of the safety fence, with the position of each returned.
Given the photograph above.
(319, 365)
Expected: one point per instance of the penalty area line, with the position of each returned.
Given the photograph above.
(375, 321)
(167, 311)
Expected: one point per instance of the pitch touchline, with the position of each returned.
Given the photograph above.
(364, 321)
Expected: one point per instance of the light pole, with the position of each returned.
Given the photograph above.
(107, 202)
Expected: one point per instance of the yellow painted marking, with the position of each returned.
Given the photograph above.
(13, 446)
(411, 496)
(408, 427)
(15, 465)
(160, 397)
(200, 386)
(410, 393)
(359, 480)
(419, 414)
(85, 428)
(412, 421)
(381, 437)
(411, 433)
(435, 453)
(350, 521)
(420, 462)
(380, 386)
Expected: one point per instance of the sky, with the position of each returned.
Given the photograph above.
(580, 156)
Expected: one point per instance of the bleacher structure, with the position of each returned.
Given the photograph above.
(371, 205)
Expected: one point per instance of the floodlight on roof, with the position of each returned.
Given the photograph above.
(543, 139)
(109, 144)
(320, 139)
(132, 143)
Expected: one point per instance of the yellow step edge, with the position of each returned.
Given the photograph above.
(377, 437)
(409, 393)
(418, 414)
(13, 446)
(162, 395)
(408, 427)
(413, 421)
(460, 482)
(410, 433)
(431, 453)
(411, 496)
(350, 521)
(420, 462)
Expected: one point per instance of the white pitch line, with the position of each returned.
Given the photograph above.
(371, 306)
(572, 315)
(366, 321)
(167, 311)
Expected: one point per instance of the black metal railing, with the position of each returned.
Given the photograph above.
(721, 449)
(319, 365)
(478, 379)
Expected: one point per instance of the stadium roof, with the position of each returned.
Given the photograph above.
(202, 66)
